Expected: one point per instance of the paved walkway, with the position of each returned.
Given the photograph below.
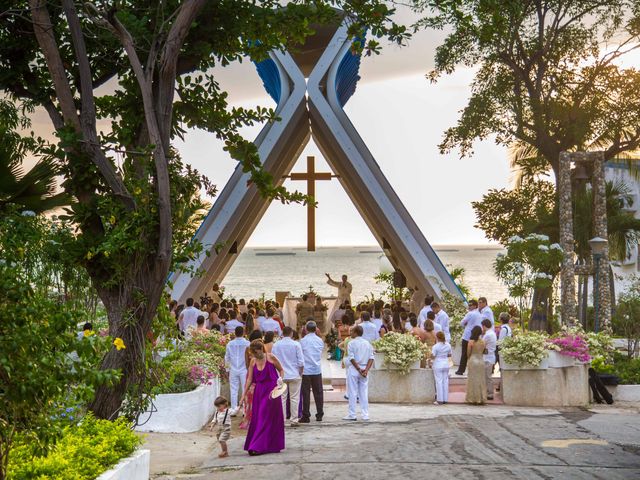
(424, 442)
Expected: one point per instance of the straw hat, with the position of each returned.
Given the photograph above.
(278, 391)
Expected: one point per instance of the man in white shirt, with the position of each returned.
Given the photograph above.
(377, 319)
(436, 326)
(471, 319)
(189, 316)
(485, 311)
(442, 319)
(291, 358)
(234, 359)
(258, 321)
(233, 322)
(360, 361)
(505, 332)
(344, 288)
(270, 325)
(312, 347)
(490, 341)
(422, 316)
(370, 333)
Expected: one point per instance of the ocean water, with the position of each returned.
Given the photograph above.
(267, 270)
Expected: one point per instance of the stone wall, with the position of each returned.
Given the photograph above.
(550, 387)
(389, 386)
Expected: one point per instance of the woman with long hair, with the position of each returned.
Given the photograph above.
(476, 382)
(266, 428)
(268, 341)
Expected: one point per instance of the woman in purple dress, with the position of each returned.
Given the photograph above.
(266, 430)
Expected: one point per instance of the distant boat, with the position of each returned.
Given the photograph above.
(264, 254)
(370, 251)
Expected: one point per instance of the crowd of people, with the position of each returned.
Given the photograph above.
(266, 356)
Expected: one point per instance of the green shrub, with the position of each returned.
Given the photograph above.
(82, 453)
(627, 369)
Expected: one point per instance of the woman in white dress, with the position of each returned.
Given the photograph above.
(440, 354)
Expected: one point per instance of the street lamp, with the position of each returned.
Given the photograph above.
(598, 246)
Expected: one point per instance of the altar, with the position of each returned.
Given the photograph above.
(289, 310)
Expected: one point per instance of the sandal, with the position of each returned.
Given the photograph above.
(223, 454)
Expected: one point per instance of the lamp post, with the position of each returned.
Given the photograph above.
(598, 246)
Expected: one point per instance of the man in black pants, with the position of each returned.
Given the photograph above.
(312, 346)
(471, 319)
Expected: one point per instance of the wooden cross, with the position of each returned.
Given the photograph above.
(311, 176)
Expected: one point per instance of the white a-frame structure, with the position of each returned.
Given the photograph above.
(305, 107)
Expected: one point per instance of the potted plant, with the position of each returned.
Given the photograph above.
(566, 349)
(399, 351)
(526, 351)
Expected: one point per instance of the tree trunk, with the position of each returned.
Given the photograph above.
(540, 309)
(131, 310)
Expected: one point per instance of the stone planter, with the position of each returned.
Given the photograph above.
(135, 467)
(544, 364)
(181, 412)
(456, 354)
(388, 386)
(379, 364)
(625, 393)
(557, 360)
(551, 387)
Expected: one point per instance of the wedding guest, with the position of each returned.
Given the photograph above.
(369, 329)
(269, 324)
(485, 311)
(312, 346)
(360, 360)
(472, 319)
(214, 319)
(337, 315)
(233, 322)
(440, 354)
(249, 323)
(189, 316)
(422, 316)
(242, 306)
(430, 335)
(387, 325)
(344, 327)
(476, 383)
(442, 319)
(200, 326)
(258, 321)
(266, 429)
(505, 332)
(416, 331)
(291, 358)
(432, 316)
(222, 420)
(235, 359)
(268, 340)
(489, 357)
(377, 319)
(278, 309)
(399, 325)
(216, 296)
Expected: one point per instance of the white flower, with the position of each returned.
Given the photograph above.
(515, 239)
(2, 262)
(28, 213)
(549, 276)
(555, 246)
(544, 248)
(537, 236)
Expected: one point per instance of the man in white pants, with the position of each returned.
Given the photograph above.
(289, 352)
(360, 359)
(234, 359)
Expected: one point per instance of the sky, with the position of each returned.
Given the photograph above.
(402, 117)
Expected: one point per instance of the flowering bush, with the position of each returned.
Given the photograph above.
(456, 309)
(524, 349)
(196, 362)
(572, 346)
(400, 350)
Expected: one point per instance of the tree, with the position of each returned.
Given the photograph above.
(137, 201)
(547, 73)
(34, 190)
